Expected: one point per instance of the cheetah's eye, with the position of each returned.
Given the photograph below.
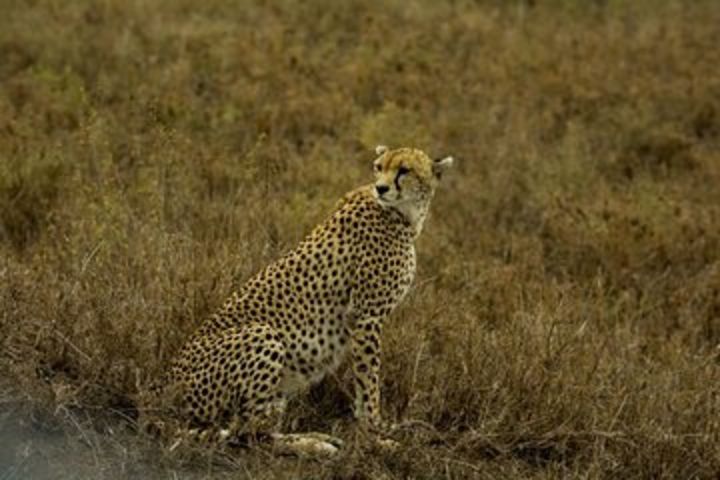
(377, 167)
(403, 171)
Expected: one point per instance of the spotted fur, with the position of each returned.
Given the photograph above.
(298, 318)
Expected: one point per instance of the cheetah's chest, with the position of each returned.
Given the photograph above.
(314, 351)
(390, 282)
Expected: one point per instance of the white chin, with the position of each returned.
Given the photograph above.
(386, 202)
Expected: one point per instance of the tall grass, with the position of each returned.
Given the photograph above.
(566, 316)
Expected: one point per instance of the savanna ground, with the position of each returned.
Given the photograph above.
(566, 316)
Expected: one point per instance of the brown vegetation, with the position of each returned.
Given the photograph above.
(566, 316)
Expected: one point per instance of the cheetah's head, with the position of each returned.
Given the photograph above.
(405, 178)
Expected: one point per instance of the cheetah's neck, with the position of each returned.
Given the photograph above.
(415, 214)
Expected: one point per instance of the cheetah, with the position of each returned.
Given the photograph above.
(297, 319)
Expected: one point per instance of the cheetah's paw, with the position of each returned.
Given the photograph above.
(311, 444)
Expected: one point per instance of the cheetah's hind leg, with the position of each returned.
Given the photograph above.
(240, 372)
(231, 386)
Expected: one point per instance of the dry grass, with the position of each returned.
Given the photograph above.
(566, 316)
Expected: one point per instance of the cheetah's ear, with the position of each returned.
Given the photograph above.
(380, 149)
(440, 165)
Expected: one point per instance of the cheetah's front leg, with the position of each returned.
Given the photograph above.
(366, 351)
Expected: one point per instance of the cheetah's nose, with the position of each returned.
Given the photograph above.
(381, 189)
